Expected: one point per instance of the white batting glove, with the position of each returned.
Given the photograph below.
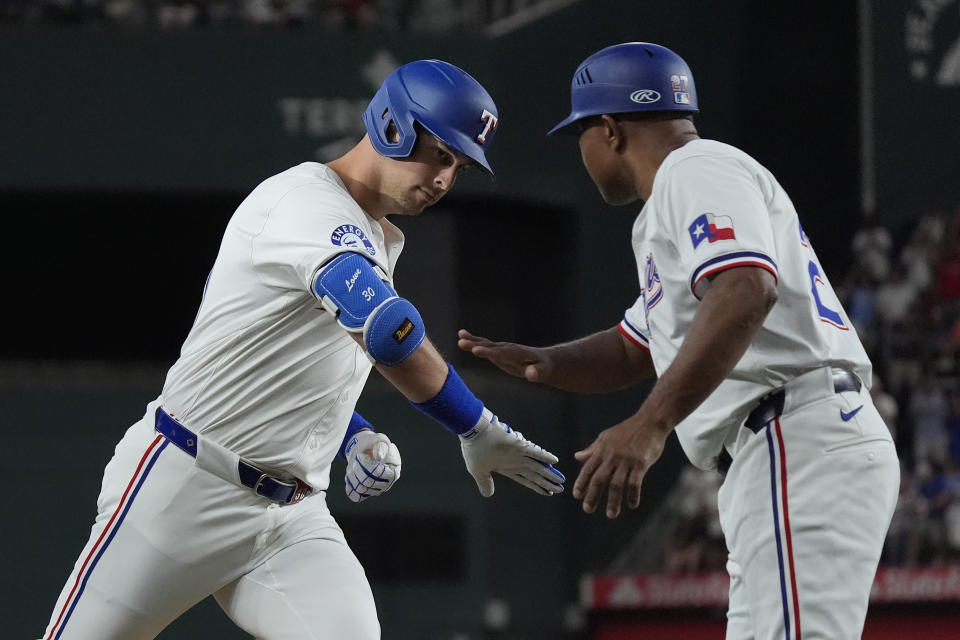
(493, 446)
(373, 465)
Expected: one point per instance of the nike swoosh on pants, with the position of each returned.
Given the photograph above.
(846, 416)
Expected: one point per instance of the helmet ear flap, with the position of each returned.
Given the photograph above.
(389, 134)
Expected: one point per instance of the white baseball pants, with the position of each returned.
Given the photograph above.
(805, 508)
(168, 534)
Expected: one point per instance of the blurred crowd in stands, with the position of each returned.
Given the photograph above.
(902, 293)
(372, 15)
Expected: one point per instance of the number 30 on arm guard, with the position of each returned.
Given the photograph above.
(356, 292)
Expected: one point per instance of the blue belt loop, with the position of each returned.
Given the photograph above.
(176, 433)
(767, 410)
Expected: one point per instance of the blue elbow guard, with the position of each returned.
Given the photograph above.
(350, 287)
(393, 331)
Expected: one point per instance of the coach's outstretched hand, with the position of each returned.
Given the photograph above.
(616, 463)
(373, 465)
(493, 446)
(518, 360)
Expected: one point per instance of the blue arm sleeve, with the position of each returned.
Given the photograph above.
(357, 423)
(454, 406)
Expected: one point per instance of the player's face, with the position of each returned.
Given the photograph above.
(607, 170)
(426, 175)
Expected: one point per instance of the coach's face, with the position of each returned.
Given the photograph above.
(426, 175)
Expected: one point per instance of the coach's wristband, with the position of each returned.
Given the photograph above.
(357, 423)
(455, 406)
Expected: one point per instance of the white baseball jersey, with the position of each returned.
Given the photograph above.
(265, 371)
(714, 207)
(808, 497)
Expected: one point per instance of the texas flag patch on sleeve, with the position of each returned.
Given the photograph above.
(711, 228)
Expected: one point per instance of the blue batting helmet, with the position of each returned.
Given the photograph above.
(623, 78)
(444, 99)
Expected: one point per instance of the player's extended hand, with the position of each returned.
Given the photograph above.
(493, 446)
(373, 465)
(518, 360)
(615, 463)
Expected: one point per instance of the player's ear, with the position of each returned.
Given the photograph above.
(393, 135)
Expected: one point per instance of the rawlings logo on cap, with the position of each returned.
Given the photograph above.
(645, 96)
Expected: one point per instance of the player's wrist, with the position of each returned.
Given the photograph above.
(357, 424)
(455, 407)
(484, 422)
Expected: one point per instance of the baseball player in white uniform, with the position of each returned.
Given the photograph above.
(759, 371)
(220, 487)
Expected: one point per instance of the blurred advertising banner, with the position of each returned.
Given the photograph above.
(692, 606)
(671, 591)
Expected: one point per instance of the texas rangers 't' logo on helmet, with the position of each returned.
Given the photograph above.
(490, 124)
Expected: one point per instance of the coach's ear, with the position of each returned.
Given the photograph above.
(613, 132)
